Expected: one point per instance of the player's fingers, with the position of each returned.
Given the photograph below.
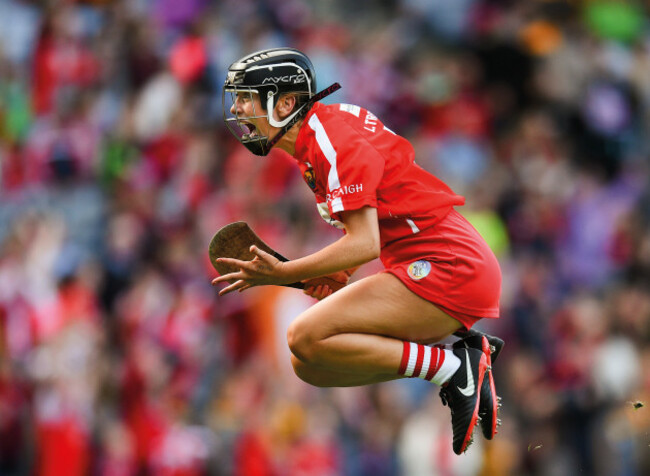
(233, 287)
(235, 263)
(312, 291)
(227, 277)
(220, 279)
(318, 294)
(263, 255)
(324, 292)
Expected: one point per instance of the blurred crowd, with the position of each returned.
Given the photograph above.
(117, 358)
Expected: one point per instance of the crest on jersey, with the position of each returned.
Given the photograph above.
(419, 269)
(310, 178)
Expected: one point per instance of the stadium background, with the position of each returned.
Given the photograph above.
(116, 357)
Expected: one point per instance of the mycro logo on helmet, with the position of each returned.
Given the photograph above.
(290, 78)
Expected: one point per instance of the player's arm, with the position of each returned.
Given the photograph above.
(359, 245)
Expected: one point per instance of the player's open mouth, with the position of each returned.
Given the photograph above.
(252, 130)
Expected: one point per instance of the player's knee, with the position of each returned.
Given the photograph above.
(301, 342)
(307, 373)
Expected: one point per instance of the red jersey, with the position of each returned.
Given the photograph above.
(350, 159)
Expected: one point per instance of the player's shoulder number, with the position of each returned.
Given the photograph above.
(370, 120)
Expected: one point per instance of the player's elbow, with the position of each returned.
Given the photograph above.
(362, 233)
(368, 249)
(373, 252)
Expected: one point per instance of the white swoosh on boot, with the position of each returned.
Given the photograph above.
(469, 389)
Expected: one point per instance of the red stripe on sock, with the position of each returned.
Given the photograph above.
(405, 358)
(419, 361)
(439, 359)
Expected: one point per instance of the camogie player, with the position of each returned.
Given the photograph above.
(440, 276)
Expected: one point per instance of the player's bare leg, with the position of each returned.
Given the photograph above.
(321, 377)
(361, 328)
(375, 328)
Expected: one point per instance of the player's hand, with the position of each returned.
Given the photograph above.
(323, 286)
(263, 269)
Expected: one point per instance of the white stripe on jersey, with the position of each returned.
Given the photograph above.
(414, 227)
(330, 154)
(351, 108)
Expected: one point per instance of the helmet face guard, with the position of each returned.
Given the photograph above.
(268, 74)
(240, 127)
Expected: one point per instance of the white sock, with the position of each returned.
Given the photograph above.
(434, 364)
(447, 369)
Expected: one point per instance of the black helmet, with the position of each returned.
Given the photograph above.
(268, 73)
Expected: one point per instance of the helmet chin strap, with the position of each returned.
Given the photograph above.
(290, 121)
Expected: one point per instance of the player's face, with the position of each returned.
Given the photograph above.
(248, 110)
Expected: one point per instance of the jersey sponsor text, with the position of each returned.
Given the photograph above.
(344, 190)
